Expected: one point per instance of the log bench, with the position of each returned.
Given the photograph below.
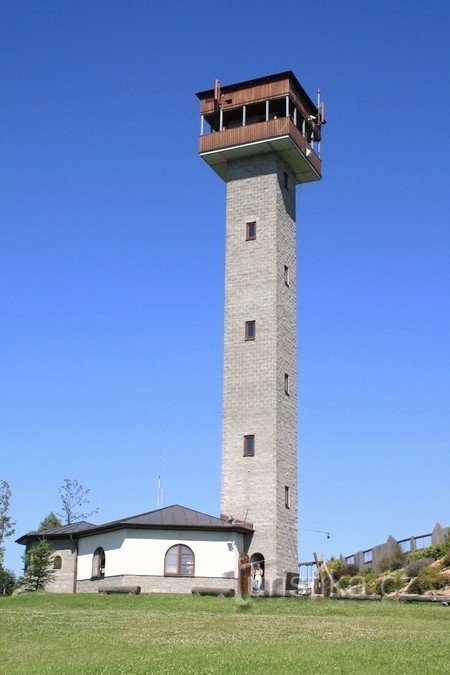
(340, 596)
(129, 590)
(205, 590)
(410, 597)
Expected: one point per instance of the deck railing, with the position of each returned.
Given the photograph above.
(252, 133)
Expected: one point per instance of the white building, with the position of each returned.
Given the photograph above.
(173, 549)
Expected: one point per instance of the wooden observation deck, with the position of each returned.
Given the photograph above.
(270, 114)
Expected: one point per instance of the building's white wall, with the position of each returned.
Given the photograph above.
(142, 552)
(112, 542)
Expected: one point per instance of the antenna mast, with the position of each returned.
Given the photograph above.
(159, 491)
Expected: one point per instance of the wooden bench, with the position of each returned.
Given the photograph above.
(410, 597)
(348, 596)
(129, 590)
(205, 590)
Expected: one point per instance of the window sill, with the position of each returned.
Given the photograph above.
(185, 576)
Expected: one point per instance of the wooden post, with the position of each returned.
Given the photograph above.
(244, 574)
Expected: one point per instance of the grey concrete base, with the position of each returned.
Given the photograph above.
(154, 584)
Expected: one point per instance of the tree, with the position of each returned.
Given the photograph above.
(7, 582)
(6, 522)
(49, 522)
(73, 497)
(38, 566)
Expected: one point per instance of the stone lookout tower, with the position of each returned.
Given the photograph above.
(262, 137)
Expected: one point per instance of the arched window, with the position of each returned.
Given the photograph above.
(179, 561)
(98, 563)
(57, 562)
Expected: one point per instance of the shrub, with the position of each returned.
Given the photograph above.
(393, 582)
(330, 569)
(337, 570)
(446, 561)
(392, 560)
(369, 579)
(7, 581)
(428, 579)
(325, 584)
(334, 564)
(378, 583)
(357, 585)
(346, 577)
(412, 569)
(356, 581)
(397, 562)
(344, 582)
(435, 551)
(348, 571)
(330, 574)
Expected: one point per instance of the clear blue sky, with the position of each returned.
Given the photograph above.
(112, 258)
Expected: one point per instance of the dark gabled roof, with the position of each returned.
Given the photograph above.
(170, 517)
(176, 516)
(173, 516)
(68, 529)
(60, 532)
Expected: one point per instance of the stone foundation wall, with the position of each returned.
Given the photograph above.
(62, 579)
(156, 584)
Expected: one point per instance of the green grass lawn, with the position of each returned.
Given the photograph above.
(183, 634)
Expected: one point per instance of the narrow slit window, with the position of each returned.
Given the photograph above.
(250, 330)
(250, 231)
(249, 446)
(286, 180)
(287, 497)
(286, 275)
(286, 384)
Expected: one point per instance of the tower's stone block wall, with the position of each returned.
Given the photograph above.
(255, 401)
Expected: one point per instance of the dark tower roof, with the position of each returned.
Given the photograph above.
(250, 84)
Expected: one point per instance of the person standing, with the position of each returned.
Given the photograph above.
(258, 575)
